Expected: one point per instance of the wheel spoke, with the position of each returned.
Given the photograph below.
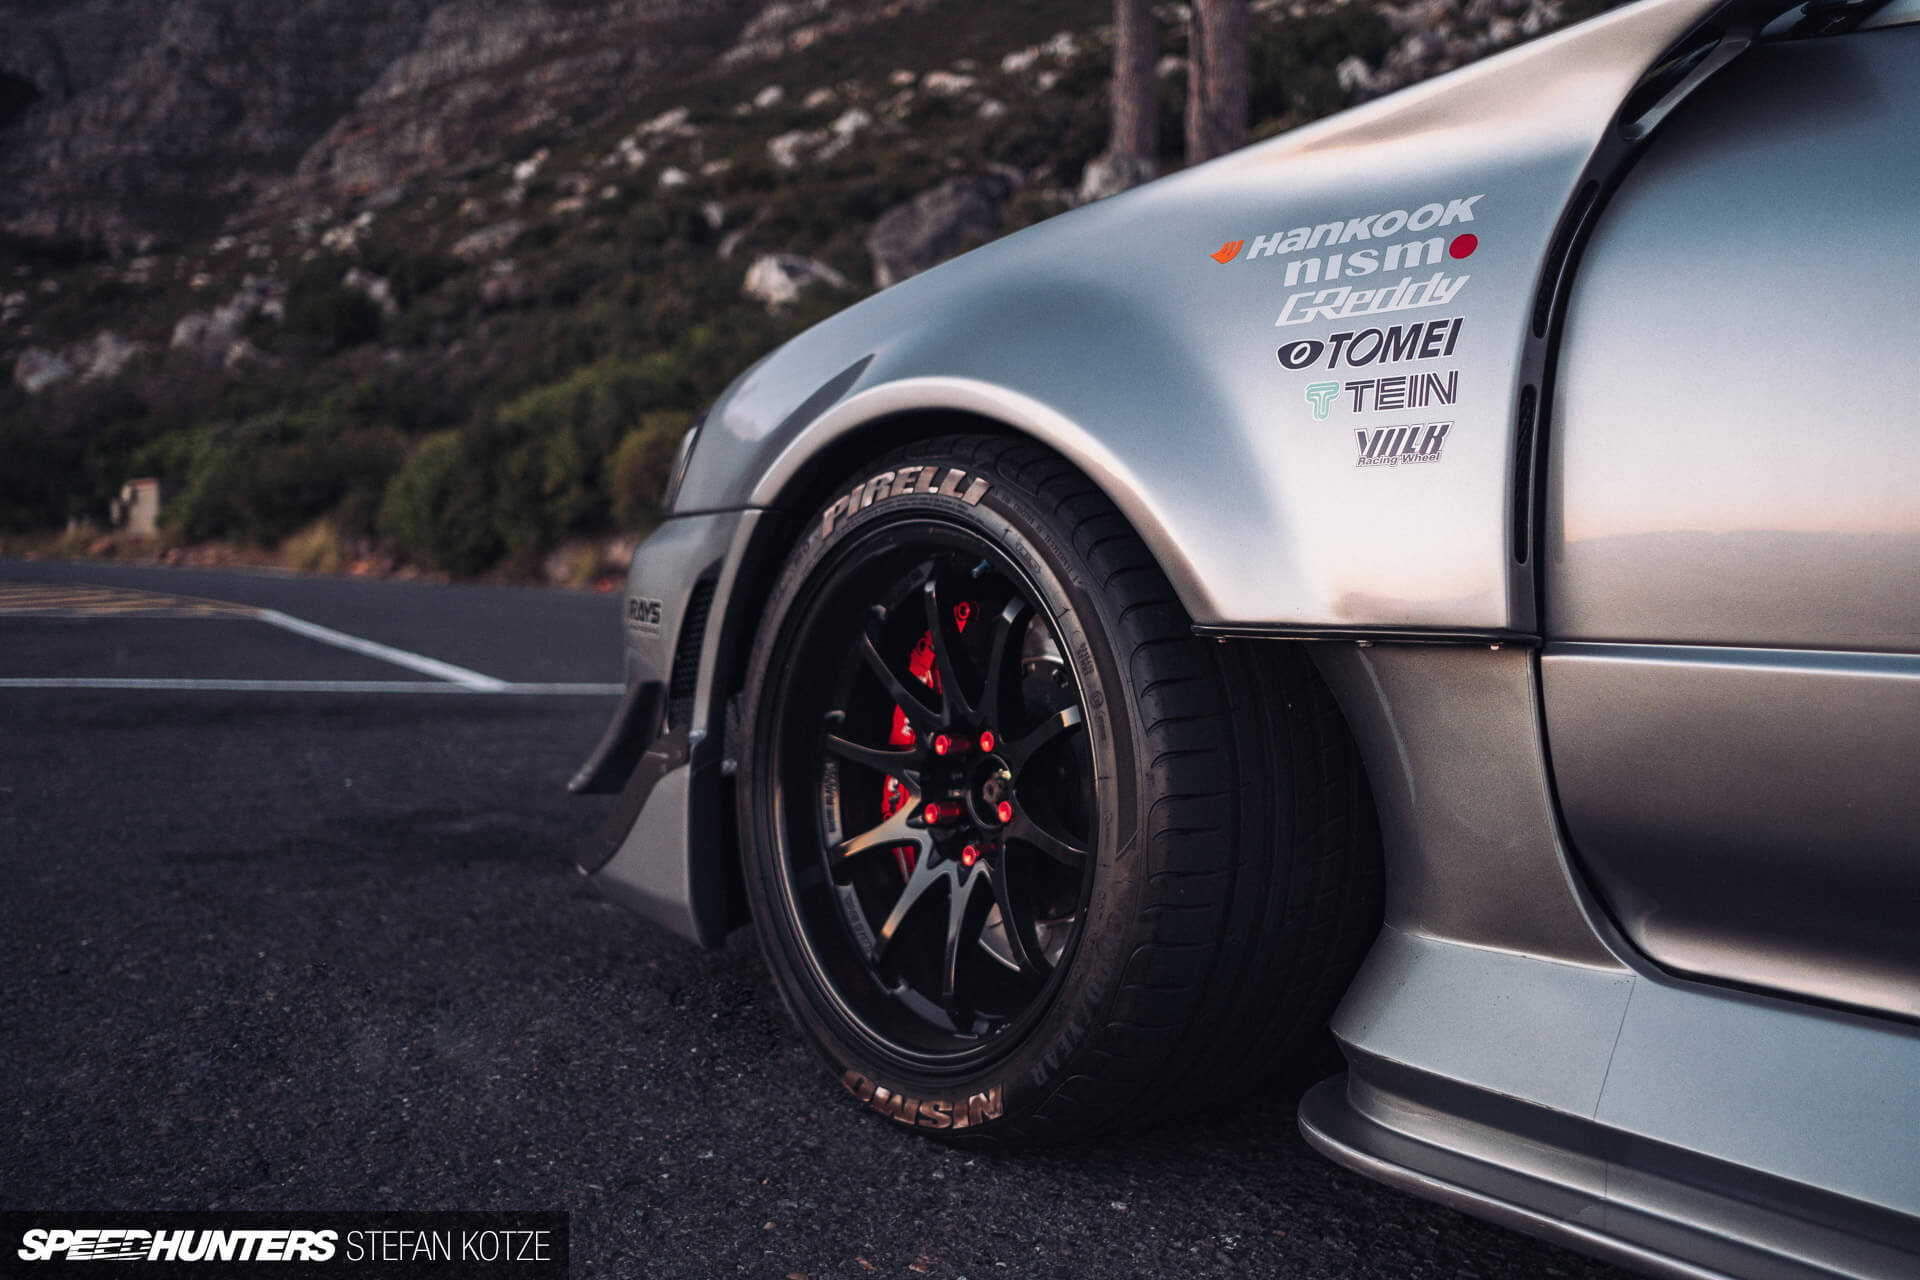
(963, 928)
(1032, 834)
(924, 877)
(1019, 930)
(1022, 749)
(1003, 626)
(894, 762)
(945, 637)
(884, 835)
(919, 714)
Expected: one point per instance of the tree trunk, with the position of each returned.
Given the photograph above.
(1136, 90)
(1216, 78)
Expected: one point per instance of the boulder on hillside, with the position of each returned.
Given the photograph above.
(936, 224)
(103, 355)
(488, 242)
(777, 278)
(211, 333)
(1111, 172)
(376, 289)
(36, 369)
(791, 147)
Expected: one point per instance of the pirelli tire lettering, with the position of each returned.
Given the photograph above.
(928, 1113)
(946, 482)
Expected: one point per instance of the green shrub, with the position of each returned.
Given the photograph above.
(264, 480)
(436, 509)
(318, 548)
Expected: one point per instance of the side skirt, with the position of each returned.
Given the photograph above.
(1664, 1125)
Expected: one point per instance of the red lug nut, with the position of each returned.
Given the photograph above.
(970, 855)
(942, 744)
(986, 740)
(1004, 810)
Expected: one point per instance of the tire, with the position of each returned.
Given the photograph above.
(1227, 877)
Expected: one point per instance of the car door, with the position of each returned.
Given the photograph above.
(1731, 679)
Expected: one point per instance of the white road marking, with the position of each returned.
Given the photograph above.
(314, 686)
(386, 653)
(84, 600)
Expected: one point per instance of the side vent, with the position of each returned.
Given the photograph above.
(686, 655)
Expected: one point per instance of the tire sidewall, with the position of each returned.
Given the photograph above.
(1014, 1086)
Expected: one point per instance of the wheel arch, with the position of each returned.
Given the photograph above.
(805, 479)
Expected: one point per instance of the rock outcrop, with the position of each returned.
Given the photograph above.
(777, 278)
(1110, 173)
(936, 224)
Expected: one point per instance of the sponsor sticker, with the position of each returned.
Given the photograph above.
(1394, 392)
(1419, 442)
(1341, 231)
(1344, 302)
(1358, 348)
(1320, 395)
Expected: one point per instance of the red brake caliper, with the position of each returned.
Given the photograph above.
(921, 665)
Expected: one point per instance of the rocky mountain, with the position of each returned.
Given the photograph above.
(130, 123)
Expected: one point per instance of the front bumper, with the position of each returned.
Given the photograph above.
(663, 848)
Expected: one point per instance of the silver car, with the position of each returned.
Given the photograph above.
(1452, 570)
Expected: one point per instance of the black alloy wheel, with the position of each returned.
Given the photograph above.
(1027, 859)
(938, 791)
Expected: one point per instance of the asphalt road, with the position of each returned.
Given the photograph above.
(326, 950)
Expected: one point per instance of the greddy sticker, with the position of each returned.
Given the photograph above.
(1391, 446)
(1344, 301)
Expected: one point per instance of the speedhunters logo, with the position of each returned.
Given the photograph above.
(114, 1244)
(391, 1245)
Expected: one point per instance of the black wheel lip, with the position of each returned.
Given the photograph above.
(1008, 1040)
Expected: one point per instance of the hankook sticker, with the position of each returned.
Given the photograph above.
(1372, 226)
